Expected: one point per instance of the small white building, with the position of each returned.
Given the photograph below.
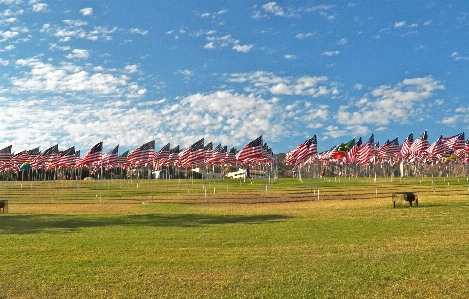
(241, 172)
(209, 175)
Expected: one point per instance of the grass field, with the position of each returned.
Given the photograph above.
(226, 239)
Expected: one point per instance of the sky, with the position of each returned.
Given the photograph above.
(75, 73)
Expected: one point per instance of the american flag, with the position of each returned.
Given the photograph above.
(122, 160)
(47, 159)
(93, 156)
(352, 154)
(366, 152)
(216, 155)
(252, 150)
(111, 157)
(405, 148)
(230, 158)
(436, 150)
(173, 158)
(142, 155)
(5, 154)
(290, 157)
(394, 149)
(34, 152)
(224, 155)
(267, 155)
(454, 143)
(208, 148)
(307, 149)
(420, 144)
(327, 155)
(193, 156)
(19, 159)
(67, 158)
(162, 155)
(388, 150)
(77, 157)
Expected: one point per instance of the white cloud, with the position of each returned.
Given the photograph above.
(209, 46)
(342, 41)
(6, 35)
(330, 53)
(243, 49)
(76, 23)
(303, 35)
(77, 29)
(399, 24)
(39, 7)
(235, 116)
(390, 103)
(452, 120)
(323, 10)
(290, 57)
(138, 31)
(218, 42)
(261, 82)
(186, 73)
(78, 53)
(274, 9)
(86, 11)
(40, 77)
(131, 69)
(229, 118)
(457, 56)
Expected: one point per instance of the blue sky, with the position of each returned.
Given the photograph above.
(127, 72)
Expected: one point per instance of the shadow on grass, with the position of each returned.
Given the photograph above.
(31, 224)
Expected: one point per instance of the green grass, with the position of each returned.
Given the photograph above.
(244, 242)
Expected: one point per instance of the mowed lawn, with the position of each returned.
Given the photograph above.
(272, 242)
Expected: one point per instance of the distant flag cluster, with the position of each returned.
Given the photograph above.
(443, 150)
(198, 154)
(454, 149)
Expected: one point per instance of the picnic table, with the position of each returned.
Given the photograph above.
(406, 196)
(4, 206)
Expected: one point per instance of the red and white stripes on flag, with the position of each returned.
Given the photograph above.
(388, 151)
(454, 143)
(162, 155)
(67, 158)
(111, 158)
(252, 150)
(93, 156)
(5, 155)
(419, 146)
(230, 157)
(216, 155)
(302, 151)
(47, 159)
(142, 155)
(367, 151)
(173, 158)
(193, 156)
(436, 150)
(405, 147)
(352, 154)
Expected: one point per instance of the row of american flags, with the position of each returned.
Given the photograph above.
(454, 149)
(198, 154)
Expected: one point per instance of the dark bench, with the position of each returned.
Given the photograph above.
(4, 206)
(407, 196)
